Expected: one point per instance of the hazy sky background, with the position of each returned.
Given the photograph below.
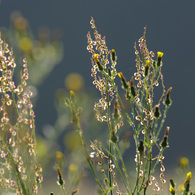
(170, 29)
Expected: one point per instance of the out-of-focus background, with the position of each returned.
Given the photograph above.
(59, 30)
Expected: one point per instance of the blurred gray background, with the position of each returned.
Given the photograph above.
(170, 28)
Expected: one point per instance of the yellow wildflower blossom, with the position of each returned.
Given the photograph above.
(120, 74)
(96, 58)
(74, 81)
(160, 54)
(188, 177)
(171, 189)
(184, 162)
(147, 63)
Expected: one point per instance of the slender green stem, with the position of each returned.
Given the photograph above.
(109, 173)
(162, 122)
(123, 165)
(149, 168)
(124, 169)
(110, 128)
(80, 131)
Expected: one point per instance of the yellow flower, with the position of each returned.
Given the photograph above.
(171, 189)
(188, 177)
(113, 55)
(160, 54)
(72, 93)
(120, 74)
(96, 58)
(184, 162)
(73, 168)
(25, 44)
(74, 81)
(147, 63)
(59, 155)
(181, 188)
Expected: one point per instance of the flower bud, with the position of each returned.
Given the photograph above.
(132, 87)
(164, 143)
(188, 177)
(114, 138)
(98, 62)
(187, 182)
(168, 100)
(172, 190)
(60, 180)
(116, 115)
(120, 74)
(159, 59)
(71, 93)
(157, 112)
(141, 147)
(147, 66)
(172, 183)
(72, 96)
(113, 55)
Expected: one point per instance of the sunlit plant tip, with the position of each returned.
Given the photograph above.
(71, 93)
(113, 55)
(172, 190)
(188, 177)
(98, 62)
(120, 74)
(159, 56)
(147, 67)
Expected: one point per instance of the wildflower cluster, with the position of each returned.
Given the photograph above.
(145, 110)
(19, 169)
(143, 115)
(104, 73)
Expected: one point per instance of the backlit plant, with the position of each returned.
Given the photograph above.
(137, 109)
(19, 169)
(144, 114)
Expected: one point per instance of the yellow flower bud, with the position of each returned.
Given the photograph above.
(160, 54)
(188, 177)
(147, 63)
(96, 58)
(120, 74)
(147, 67)
(113, 55)
(71, 93)
(171, 189)
(98, 62)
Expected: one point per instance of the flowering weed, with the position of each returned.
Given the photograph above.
(145, 116)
